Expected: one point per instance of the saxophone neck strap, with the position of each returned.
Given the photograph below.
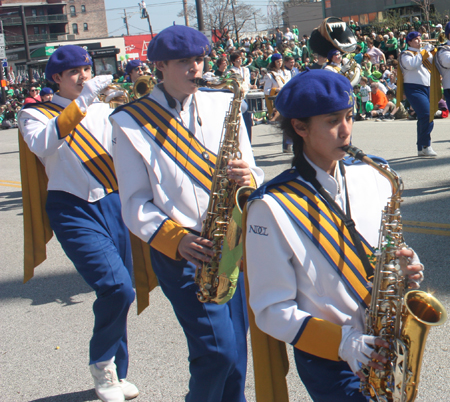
(309, 174)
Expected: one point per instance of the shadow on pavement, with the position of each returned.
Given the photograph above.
(415, 162)
(10, 201)
(8, 153)
(266, 144)
(59, 289)
(82, 396)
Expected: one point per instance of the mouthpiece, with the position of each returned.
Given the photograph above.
(355, 152)
(200, 82)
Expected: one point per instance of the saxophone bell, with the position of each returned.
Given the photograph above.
(401, 318)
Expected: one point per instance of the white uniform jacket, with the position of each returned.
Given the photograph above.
(414, 72)
(335, 68)
(275, 79)
(244, 72)
(159, 200)
(45, 139)
(443, 64)
(290, 279)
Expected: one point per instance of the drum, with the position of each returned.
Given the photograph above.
(256, 101)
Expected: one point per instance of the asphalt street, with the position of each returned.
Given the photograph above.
(46, 323)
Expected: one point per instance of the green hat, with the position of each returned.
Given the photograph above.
(377, 75)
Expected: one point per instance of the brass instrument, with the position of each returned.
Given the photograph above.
(334, 32)
(214, 287)
(143, 86)
(401, 318)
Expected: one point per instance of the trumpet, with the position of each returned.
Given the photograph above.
(143, 86)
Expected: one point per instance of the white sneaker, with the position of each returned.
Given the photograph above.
(107, 386)
(129, 390)
(427, 151)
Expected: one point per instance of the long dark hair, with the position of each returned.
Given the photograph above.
(289, 131)
(299, 161)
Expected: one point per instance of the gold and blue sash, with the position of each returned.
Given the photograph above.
(327, 232)
(174, 139)
(93, 156)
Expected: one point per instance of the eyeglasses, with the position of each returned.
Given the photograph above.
(138, 69)
(33, 90)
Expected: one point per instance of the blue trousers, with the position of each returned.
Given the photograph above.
(247, 116)
(447, 96)
(96, 240)
(419, 98)
(327, 380)
(215, 334)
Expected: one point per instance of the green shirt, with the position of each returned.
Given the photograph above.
(261, 63)
(394, 42)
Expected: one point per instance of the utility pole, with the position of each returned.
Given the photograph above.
(125, 21)
(186, 16)
(149, 24)
(25, 39)
(201, 25)
(2, 77)
(234, 18)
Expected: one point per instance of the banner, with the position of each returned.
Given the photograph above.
(136, 46)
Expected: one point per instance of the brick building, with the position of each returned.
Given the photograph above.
(367, 11)
(52, 20)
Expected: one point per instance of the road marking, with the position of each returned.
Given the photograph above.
(8, 183)
(424, 228)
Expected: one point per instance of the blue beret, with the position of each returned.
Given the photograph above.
(276, 56)
(66, 57)
(331, 53)
(314, 92)
(132, 64)
(412, 35)
(46, 91)
(447, 30)
(178, 42)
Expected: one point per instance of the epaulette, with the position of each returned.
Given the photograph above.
(34, 105)
(121, 107)
(284, 177)
(350, 160)
(206, 89)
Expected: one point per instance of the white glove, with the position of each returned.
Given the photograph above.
(428, 47)
(345, 65)
(355, 347)
(91, 90)
(111, 94)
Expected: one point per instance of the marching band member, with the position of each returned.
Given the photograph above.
(134, 69)
(275, 79)
(71, 136)
(302, 290)
(165, 150)
(244, 72)
(334, 61)
(418, 79)
(442, 61)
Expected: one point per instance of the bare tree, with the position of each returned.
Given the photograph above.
(219, 15)
(425, 6)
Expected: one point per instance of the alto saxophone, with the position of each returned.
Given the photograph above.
(400, 317)
(212, 286)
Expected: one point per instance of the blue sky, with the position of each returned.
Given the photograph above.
(162, 14)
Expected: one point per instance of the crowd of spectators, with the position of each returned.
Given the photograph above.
(18, 95)
(273, 59)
